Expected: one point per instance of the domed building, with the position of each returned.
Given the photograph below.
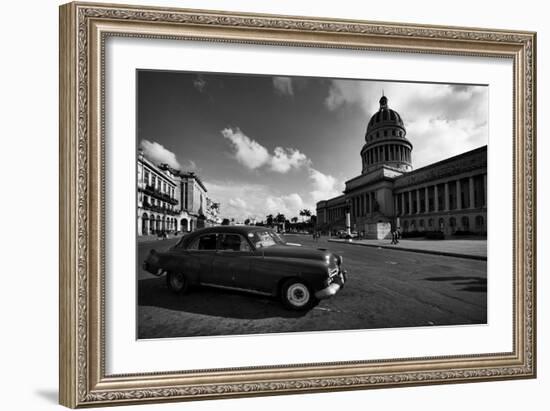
(449, 196)
(385, 141)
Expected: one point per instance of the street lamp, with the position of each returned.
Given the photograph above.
(348, 217)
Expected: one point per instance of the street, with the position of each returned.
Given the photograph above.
(385, 289)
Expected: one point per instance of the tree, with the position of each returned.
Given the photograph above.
(305, 213)
(225, 221)
(247, 221)
(269, 220)
(294, 220)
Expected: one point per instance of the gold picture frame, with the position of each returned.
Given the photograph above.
(83, 30)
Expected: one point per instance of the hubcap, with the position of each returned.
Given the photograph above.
(297, 294)
(177, 281)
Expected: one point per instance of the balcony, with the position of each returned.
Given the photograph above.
(153, 192)
(158, 209)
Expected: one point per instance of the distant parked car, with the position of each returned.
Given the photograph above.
(344, 234)
(254, 259)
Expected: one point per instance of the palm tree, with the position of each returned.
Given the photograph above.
(305, 213)
(294, 220)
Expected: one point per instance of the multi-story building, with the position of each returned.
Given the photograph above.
(157, 206)
(197, 209)
(171, 201)
(448, 196)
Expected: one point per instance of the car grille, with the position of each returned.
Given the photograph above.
(333, 272)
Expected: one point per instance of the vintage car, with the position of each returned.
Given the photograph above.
(254, 259)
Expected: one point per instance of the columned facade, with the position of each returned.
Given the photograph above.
(459, 219)
(449, 196)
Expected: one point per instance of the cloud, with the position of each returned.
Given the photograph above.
(244, 200)
(442, 120)
(324, 186)
(190, 165)
(247, 151)
(283, 86)
(253, 155)
(200, 83)
(158, 154)
(282, 161)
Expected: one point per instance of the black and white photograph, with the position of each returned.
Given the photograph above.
(272, 204)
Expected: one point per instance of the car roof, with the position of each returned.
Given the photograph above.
(241, 229)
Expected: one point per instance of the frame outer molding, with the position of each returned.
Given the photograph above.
(83, 28)
(68, 330)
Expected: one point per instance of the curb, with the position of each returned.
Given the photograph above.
(415, 250)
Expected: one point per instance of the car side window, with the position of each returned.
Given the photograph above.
(205, 242)
(234, 242)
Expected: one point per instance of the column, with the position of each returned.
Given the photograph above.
(395, 212)
(471, 193)
(436, 199)
(426, 200)
(446, 196)
(417, 201)
(365, 203)
(458, 196)
(484, 190)
(403, 203)
(410, 202)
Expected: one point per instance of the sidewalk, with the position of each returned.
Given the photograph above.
(153, 237)
(464, 248)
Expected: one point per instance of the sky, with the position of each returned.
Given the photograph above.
(270, 144)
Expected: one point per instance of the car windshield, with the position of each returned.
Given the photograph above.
(266, 239)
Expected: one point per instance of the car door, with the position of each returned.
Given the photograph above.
(232, 261)
(204, 248)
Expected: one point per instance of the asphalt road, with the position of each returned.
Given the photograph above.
(385, 289)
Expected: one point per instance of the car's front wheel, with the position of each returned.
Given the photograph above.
(177, 282)
(296, 295)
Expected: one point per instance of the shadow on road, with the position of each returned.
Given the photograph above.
(472, 284)
(211, 301)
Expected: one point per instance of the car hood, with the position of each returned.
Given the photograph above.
(290, 251)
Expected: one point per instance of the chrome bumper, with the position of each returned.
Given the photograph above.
(333, 288)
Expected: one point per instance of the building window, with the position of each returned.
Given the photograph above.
(465, 223)
(452, 223)
(479, 221)
(385, 133)
(431, 222)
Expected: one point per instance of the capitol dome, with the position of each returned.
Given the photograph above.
(384, 117)
(385, 141)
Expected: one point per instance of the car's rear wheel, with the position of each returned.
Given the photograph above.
(177, 282)
(296, 295)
